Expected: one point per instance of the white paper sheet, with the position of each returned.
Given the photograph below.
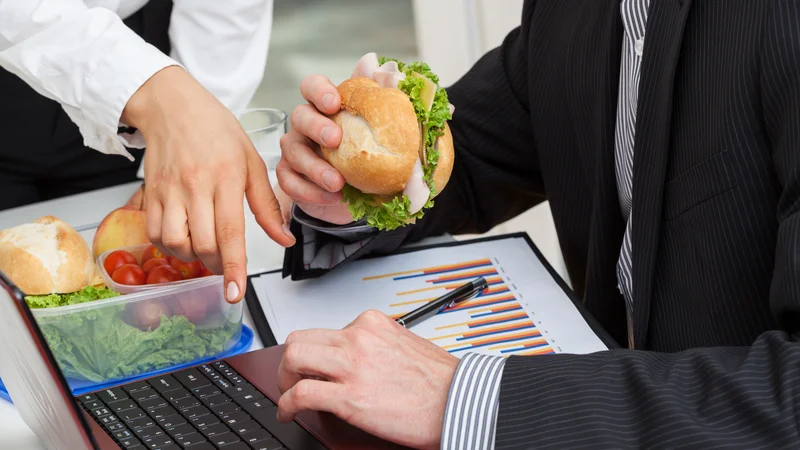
(524, 312)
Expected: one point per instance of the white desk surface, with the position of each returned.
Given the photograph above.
(87, 210)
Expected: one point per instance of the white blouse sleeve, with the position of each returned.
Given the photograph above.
(86, 59)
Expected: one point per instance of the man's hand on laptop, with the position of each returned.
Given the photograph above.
(374, 374)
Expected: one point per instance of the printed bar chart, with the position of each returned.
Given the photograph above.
(523, 311)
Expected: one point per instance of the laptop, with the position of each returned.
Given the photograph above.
(229, 404)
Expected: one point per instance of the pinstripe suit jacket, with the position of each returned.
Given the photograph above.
(716, 200)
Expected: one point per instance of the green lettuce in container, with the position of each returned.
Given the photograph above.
(98, 335)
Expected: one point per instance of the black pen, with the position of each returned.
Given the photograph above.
(453, 297)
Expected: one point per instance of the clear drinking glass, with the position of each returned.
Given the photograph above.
(265, 126)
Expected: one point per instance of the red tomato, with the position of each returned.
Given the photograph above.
(129, 274)
(192, 306)
(150, 253)
(163, 274)
(187, 270)
(117, 259)
(153, 263)
(206, 273)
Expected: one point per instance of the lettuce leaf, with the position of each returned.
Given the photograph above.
(382, 216)
(99, 345)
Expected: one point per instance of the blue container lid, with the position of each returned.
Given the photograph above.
(81, 386)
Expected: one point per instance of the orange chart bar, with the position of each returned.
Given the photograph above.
(464, 275)
(435, 269)
(527, 334)
(487, 321)
(490, 281)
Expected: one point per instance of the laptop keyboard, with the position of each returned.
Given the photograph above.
(202, 408)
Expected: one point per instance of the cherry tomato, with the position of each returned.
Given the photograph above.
(151, 264)
(117, 259)
(163, 274)
(206, 273)
(187, 270)
(129, 274)
(150, 253)
(191, 305)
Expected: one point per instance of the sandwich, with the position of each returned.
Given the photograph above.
(51, 263)
(396, 153)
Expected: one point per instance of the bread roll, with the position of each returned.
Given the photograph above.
(381, 137)
(46, 257)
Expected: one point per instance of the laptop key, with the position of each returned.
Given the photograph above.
(214, 430)
(244, 427)
(86, 398)
(223, 383)
(201, 446)
(148, 432)
(205, 421)
(108, 420)
(153, 403)
(216, 400)
(194, 411)
(100, 412)
(180, 430)
(131, 414)
(248, 397)
(225, 408)
(94, 404)
(236, 379)
(186, 403)
(235, 417)
(123, 434)
(224, 439)
(268, 444)
(176, 394)
(291, 434)
(164, 383)
(205, 391)
(122, 405)
(163, 411)
(144, 394)
(191, 378)
(235, 446)
(135, 387)
(115, 426)
(256, 405)
(111, 395)
(251, 437)
(158, 441)
(141, 422)
(172, 421)
(239, 389)
(130, 443)
(189, 440)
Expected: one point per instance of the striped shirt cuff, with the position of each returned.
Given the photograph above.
(470, 418)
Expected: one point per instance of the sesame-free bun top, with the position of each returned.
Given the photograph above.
(46, 257)
(381, 139)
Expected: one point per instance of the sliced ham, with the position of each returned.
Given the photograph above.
(416, 189)
(389, 75)
(366, 66)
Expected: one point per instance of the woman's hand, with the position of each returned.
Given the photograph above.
(302, 174)
(199, 165)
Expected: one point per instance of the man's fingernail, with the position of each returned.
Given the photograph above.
(327, 101)
(329, 178)
(233, 291)
(325, 134)
(287, 231)
(330, 197)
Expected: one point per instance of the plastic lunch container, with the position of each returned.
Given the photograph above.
(158, 327)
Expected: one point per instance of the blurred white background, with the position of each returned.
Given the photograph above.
(328, 37)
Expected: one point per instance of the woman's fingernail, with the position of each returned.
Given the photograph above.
(327, 101)
(233, 291)
(325, 134)
(287, 231)
(329, 178)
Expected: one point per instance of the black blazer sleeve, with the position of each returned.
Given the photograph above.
(745, 397)
(495, 174)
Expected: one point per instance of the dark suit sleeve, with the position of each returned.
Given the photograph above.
(746, 397)
(495, 175)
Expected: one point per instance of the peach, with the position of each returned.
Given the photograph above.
(123, 227)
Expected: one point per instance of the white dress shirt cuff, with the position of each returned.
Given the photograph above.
(116, 78)
(470, 418)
